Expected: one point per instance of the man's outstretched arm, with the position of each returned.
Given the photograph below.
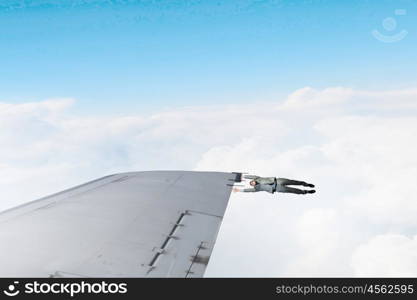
(250, 176)
(244, 190)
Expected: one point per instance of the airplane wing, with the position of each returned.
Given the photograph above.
(140, 224)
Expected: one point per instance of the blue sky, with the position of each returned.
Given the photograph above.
(124, 56)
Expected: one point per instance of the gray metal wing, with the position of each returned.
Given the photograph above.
(141, 224)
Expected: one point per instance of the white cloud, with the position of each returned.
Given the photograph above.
(318, 235)
(389, 255)
(308, 97)
(358, 147)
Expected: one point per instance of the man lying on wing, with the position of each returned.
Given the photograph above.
(272, 185)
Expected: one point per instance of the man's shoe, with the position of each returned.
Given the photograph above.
(311, 191)
(310, 185)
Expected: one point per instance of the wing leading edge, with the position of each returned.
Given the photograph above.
(139, 224)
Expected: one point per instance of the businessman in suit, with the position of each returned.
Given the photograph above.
(273, 184)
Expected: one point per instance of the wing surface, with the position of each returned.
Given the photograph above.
(139, 224)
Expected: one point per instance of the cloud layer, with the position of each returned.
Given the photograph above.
(358, 147)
